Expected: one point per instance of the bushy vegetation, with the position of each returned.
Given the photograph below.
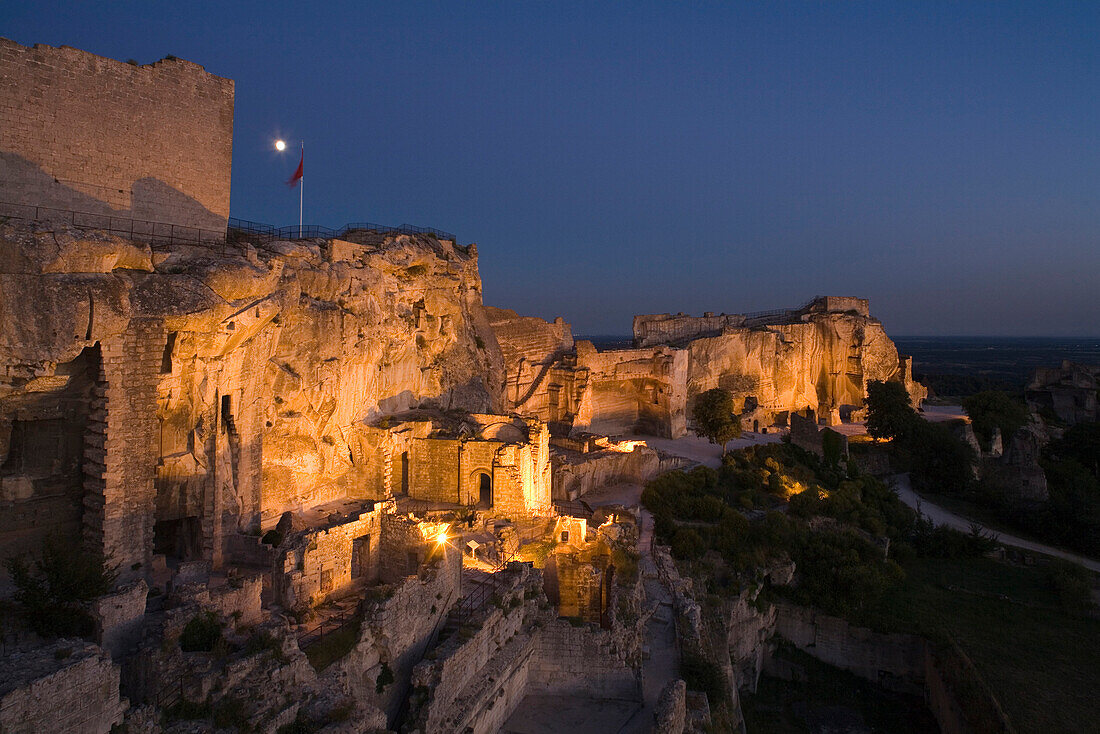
(825, 518)
(774, 502)
(202, 633)
(53, 590)
(889, 412)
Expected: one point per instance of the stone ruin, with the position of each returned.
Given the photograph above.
(315, 462)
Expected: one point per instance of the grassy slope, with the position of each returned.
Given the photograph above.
(1042, 664)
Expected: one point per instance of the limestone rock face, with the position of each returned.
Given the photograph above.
(823, 363)
(237, 372)
(819, 357)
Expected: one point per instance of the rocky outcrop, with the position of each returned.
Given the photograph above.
(822, 362)
(819, 357)
(216, 388)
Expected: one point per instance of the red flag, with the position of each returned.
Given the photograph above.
(297, 174)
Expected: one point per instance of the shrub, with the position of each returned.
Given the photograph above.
(265, 642)
(54, 590)
(201, 633)
(701, 674)
(938, 460)
(229, 713)
(688, 544)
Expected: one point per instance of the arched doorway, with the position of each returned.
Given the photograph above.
(484, 490)
(404, 472)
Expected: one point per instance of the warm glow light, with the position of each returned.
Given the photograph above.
(441, 538)
(280, 145)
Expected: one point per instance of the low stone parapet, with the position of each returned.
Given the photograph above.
(66, 686)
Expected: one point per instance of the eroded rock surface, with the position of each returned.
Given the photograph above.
(215, 387)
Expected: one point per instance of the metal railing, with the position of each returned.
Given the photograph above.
(757, 315)
(135, 229)
(314, 231)
(165, 233)
(476, 598)
(334, 624)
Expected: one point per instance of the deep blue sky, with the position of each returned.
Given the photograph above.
(611, 159)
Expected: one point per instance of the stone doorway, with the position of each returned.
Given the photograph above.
(485, 491)
(179, 539)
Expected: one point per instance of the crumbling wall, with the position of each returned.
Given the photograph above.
(65, 686)
(42, 443)
(582, 661)
(396, 631)
(86, 133)
(576, 474)
(477, 676)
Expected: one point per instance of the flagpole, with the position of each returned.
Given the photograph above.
(301, 190)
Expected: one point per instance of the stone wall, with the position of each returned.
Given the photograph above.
(396, 631)
(895, 661)
(805, 434)
(120, 520)
(582, 661)
(576, 474)
(67, 686)
(669, 714)
(86, 133)
(366, 546)
(119, 618)
(583, 581)
(42, 444)
(477, 676)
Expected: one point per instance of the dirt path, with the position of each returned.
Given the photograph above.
(942, 516)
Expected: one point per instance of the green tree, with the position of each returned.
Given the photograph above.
(714, 418)
(889, 413)
(994, 409)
